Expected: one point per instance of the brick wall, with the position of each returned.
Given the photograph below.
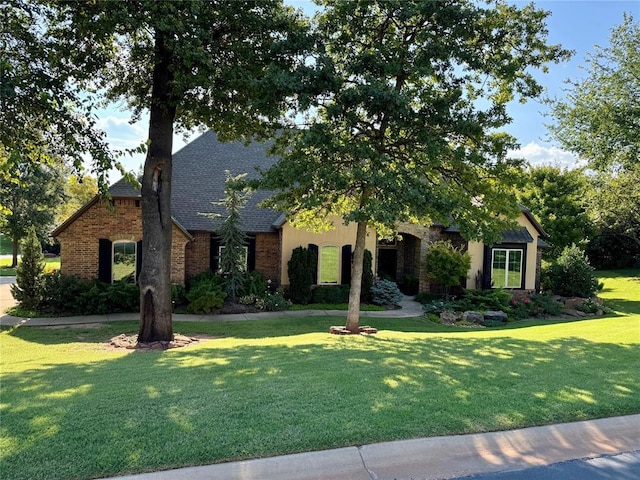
(198, 254)
(122, 221)
(268, 256)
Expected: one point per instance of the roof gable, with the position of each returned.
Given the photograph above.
(199, 179)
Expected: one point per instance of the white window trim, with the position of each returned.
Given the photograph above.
(506, 270)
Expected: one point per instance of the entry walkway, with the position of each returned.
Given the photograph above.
(409, 308)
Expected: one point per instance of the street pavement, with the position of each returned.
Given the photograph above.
(607, 448)
(625, 466)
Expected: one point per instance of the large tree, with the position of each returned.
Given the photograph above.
(408, 130)
(220, 64)
(559, 200)
(78, 191)
(31, 193)
(44, 112)
(599, 118)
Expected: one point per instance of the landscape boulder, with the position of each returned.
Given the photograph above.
(472, 317)
(495, 316)
(450, 317)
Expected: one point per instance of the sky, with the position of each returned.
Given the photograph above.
(577, 25)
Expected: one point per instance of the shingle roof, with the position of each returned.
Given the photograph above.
(199, 179)
(520, 235)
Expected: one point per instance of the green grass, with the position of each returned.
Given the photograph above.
(50, 264)
(336, 306)
(72, 409)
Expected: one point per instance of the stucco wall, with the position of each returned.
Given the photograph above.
(476, 249)
(339, 236)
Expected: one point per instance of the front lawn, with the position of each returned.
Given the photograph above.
(50, 264)
(72, 408)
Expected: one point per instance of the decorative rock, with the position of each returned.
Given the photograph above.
(342, 330)
(449, 317)
(573, 303)
(496, 316)
(472, 317)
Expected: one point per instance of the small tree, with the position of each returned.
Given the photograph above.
(367, 276)
(300, 269)
(447, 264)
(571, 275)
(233, 257)
(28, 284)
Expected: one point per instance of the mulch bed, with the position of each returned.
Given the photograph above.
(130, 342)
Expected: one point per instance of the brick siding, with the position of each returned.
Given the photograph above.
(198, 254)
(120, 221)
(268, 255)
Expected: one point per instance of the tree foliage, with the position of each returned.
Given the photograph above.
(447, 264)
(28, 284)
(599, 117)
(78, 191)
(408, 127)
(30, 193)
(44, 112)
(223, 65)
(559, 200)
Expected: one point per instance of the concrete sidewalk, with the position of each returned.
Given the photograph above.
(409, 308)
(433, 458)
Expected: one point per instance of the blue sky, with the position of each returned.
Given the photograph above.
(576, 25)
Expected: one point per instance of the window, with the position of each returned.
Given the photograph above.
(124, 261)
(506, 268)
(244, 260)
(329, 264)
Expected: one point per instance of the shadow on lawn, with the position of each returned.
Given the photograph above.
(192, 406)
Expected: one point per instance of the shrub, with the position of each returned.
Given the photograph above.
(255, 284)
(571, 275)
(410, 285)
(447, 265)
(301, 268)
(59, 293)
(205, 298)
(386, 292)
(483, 300)
(178, 294)
(331, 294)
(273, 302)
(367, 277)
(28, 284)
(438, 306)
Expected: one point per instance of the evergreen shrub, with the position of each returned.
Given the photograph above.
(570, 275)
(29, 272)
(367, 277)
(301, 268)
(386, 292)
(330, 294)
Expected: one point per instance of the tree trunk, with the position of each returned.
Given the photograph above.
(15, 244)
(155, 272)
(353, 314)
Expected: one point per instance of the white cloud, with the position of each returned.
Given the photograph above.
(538, 155)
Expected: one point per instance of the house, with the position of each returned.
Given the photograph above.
(102, 240)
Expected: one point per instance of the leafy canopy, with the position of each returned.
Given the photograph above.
(599, 118)
(408, 126)
(559, 200)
